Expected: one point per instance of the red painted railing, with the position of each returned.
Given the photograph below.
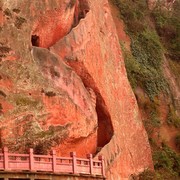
(51, 163)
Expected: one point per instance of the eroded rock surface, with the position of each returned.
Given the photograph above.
(73, 96)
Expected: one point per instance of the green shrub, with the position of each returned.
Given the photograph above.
(147, 175)
(148, 51)
(152, 122)
(132, 68)
(161, 160)
(173, 119)
(167, 159)
(154, 119)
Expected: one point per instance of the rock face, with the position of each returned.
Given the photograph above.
(74, 95)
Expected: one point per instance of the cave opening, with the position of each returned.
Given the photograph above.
(35, 40)
(105, 128)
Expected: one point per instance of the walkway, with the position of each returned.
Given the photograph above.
(33, 165)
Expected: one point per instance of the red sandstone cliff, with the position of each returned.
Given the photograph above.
(74, 95)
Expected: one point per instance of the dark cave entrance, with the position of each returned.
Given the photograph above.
(35, 40)
(105, 128)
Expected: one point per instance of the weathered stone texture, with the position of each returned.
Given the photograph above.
(76, 91)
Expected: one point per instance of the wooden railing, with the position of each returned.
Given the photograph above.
(51, 163)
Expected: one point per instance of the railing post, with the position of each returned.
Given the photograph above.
(31, 160)
(53, 160)
(89, 156)
(74, 162)
(101, 158)
(6, 158)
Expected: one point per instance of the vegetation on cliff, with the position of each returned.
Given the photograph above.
(154, 35)
(144, 63)
(168, 25)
